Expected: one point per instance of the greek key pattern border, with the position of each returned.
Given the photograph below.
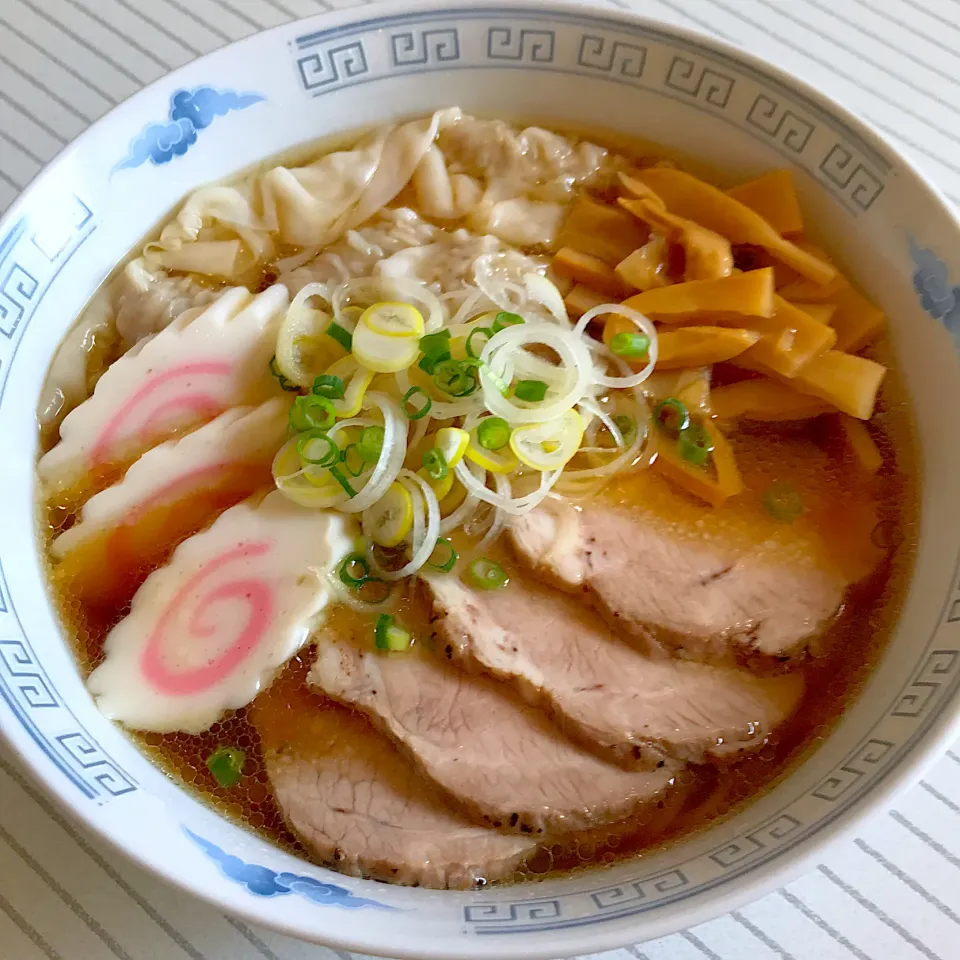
(643, 58)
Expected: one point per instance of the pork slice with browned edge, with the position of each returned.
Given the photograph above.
(631, 709)
(699, 597)
(353, 800)
(501, 760)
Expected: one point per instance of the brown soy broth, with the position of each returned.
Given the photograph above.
(842, 507)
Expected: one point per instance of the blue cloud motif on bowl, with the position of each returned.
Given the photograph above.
(190, 112)
(264, 882)
(932, 283)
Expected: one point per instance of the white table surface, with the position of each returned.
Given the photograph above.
(891, 894)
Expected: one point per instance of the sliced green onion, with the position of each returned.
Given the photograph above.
(353, 460)
(504, 319)
(226, 765)
(633, 346)
(493, 433)
(782, 501)
(444, 557)
(412, 412)
(354, 570)
(307, 446)
(457, 378)
(434, 343)
(533, 391)
(329, 386)
(337, 475)
(428, 363)
(435, 348)
(341, 334)
(672, 416)
(312, 413)
(373, 590)
(284, 383)
(695, 445)
(370, 443)
(388, 636)
(435, 463)
(471, 352)
(487, 574)
(627, 427)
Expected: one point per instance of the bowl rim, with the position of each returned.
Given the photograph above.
(758, 881)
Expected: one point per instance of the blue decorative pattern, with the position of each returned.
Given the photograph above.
(783, 125)
(699, 81)
(190, 112)
(333, 67)
(937, 297)
(859, 185)
(598, 53)
(533, 46)
(606, 50)
(425, 46)
(264, 882)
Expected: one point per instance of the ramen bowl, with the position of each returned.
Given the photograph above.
(565, 65)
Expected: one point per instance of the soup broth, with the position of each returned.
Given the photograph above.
(810, 493)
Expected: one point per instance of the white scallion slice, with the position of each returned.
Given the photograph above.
(500, 358)
(642, 323)
(393, 320)
(392, 452)
(356, 381)
(549, 445)
(302, 348)
(389, 520)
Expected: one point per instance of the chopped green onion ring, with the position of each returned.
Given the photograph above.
(329, 386)
(627, 427)
(633, 346)
(341, 334)
(415, 413)
(311, 412)
(428, 362)
(350, 562)
(331, 452)
(435, 348)
(672, 416)
(373, 590)
(782, 501)
(435, 463)
(353, 460)
(487, 574)
(434, 343)
(282, 381)
(505, 319)
(226, 765)
(370, 443)
(533, 391)
(471, 352)
(388, 636)
(444, 557)
(493, 433)
(455, 377)
(695, 445)
(337, 475)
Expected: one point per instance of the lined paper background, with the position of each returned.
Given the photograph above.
(891, 894)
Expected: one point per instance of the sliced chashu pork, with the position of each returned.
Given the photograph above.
(695, 596)
(350, 797)
(502, 761)
(632, 709)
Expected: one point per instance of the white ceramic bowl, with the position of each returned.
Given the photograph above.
(555, 63)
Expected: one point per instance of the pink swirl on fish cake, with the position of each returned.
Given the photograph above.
(256, 592)
(199, 404)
